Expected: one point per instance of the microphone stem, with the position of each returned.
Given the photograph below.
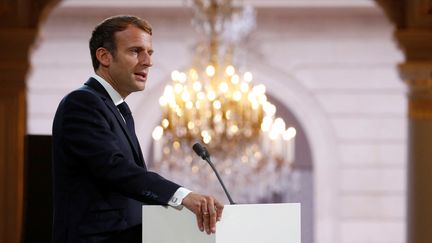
(220, 180)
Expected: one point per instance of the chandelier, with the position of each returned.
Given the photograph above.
(216, 103)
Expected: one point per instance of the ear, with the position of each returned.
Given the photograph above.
(104, 56)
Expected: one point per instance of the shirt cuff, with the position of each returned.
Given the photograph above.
(177, 199)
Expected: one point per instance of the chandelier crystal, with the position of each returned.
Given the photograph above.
(217, 103)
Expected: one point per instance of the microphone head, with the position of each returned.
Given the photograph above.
(201, 151)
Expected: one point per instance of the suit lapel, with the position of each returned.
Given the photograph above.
(94, 84)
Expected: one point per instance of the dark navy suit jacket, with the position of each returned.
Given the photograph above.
(100, 178)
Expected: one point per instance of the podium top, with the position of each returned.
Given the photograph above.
(251, 223)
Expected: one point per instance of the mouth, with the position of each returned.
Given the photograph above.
(142, 76)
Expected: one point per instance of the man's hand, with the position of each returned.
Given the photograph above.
(207, 210)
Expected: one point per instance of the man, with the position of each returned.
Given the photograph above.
(100, 177)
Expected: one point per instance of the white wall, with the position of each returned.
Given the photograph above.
(334, 68)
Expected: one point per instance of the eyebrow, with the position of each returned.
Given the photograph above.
(140, 48)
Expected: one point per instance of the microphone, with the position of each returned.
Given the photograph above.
(201, 151)
(205, 155)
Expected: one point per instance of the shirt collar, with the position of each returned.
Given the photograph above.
(114, 95)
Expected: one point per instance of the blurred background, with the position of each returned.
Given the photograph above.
(352, 77)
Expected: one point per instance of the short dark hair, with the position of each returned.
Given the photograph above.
(103, 34)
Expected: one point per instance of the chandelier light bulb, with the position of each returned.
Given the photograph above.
(193, 74)
(289, 133)
(255, 106)
(251, 97)
(172, 104)
(201, 96)
(197, 104)
(182, 77)
(235, 79)
(217, 118)
(279, 125)
(272, 111)
(273, 135)
(247, 76)
(165, 123)
(230, 70)
(166, 150)
(176, 145)
(168, 90)
(237, 95)
(217, 104)
(210, 70)
(223, 87)
(228, 114)
(259, 89)
(175, 75)
(191, 125)
(157, 133)
(205, 133)
(211, 95)
(179, 112)
(163, 101)
(189, 105)
(169, 95)
(244, 87)
(197, 86)
(206, 137)
(269, 109)
(178, 88)
(234, 129)
(262, 99)
(185, 96)
(266, 124)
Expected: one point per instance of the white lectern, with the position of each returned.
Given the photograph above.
(241, 223)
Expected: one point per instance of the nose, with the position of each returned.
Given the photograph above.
(146, 60)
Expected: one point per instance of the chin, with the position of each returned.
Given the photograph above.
(140, 86)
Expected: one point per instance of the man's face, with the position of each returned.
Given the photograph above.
(129, 67)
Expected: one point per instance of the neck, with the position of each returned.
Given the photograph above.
(105, 75)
